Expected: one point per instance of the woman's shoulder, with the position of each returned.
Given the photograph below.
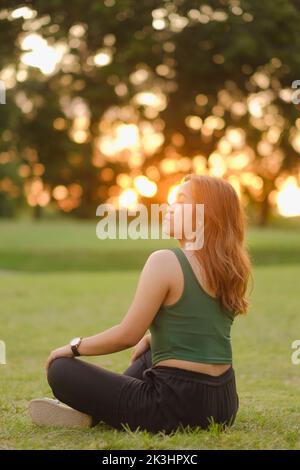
(163, 259)
(162, 255)
(160, 268)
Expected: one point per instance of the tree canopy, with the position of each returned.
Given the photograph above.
(101, 93)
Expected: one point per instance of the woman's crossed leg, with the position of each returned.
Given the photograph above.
(94, 390)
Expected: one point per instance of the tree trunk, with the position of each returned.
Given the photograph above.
(264, 208)
(37, 212)
(264, 212)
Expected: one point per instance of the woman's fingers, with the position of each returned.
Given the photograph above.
(135, 354)
(133, 357)
(137, 350)
(48, 362)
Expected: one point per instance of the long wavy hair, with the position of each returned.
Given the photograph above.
(224, 257)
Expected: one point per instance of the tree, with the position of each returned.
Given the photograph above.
(207, 87)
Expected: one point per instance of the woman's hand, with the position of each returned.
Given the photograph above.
(139, 348)
(65, 351)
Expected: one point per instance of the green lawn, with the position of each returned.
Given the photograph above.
(57, 280)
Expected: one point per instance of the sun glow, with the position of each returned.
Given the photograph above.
(172, 194)
(288, 198)
(40, 54)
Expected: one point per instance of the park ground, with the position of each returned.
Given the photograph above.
(58, 280)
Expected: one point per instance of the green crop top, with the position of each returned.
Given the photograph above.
(195, 328)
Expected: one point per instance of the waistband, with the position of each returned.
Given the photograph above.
(200, 376)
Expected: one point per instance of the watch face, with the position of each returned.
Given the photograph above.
(74, 341)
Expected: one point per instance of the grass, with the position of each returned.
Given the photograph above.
(58, 280)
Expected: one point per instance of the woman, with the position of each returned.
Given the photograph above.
(181, 375)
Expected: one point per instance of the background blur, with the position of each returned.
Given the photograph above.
(116, 100)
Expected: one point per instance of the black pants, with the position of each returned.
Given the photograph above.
(145, 397)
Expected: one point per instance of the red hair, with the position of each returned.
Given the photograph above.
(223, 257)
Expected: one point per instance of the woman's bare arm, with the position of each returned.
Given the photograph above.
(152, 288)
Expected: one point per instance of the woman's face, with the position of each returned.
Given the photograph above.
(174, 217)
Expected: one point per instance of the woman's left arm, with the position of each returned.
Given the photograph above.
(152, 288)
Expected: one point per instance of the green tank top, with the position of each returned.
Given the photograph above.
(195, 328)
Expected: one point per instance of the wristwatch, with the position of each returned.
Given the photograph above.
(75, 343)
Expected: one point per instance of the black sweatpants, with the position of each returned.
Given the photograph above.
(144, 397)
